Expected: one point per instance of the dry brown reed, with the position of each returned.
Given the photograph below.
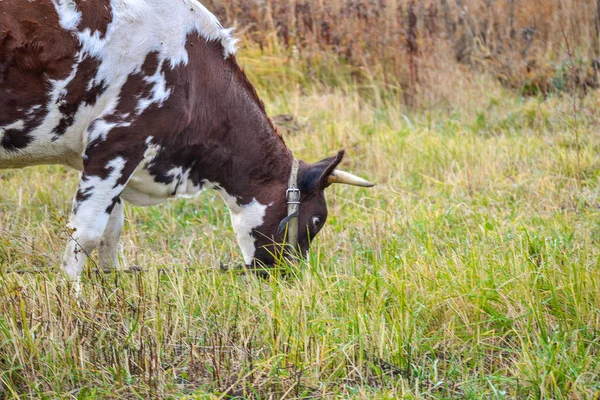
(410, 45)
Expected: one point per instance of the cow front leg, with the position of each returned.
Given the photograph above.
(108, 252)
(103, 179)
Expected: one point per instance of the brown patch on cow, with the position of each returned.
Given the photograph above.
(76, 93)
(33, 50)
(102, 152)
(13, 140)
(83, 195)
(96, 15)
(92, 95)
(115, 201)
(150, 64)
(134, 89)
(32, 40)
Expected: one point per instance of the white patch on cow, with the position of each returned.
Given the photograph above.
(152, 149)
(99, 130)
(33, 109)
(102, 191)
(211, 29)
(92, 43)
(68, 15)
(143, 190)
(244, 219)
(90, 219)
(17, 125)
(141, 27)
(159, 92)
(186, 187)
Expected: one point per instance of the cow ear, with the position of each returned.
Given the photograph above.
(316, 176)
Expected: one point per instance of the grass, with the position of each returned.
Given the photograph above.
(470, 271)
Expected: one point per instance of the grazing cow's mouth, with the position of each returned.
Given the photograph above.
(266, 270)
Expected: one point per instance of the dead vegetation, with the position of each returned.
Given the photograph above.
(414, 46)
(470, 271)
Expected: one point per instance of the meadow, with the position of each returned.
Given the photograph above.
(472, 269)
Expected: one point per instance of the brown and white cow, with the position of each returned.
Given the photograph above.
(146, 99)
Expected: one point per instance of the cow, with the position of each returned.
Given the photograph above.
(147, 100)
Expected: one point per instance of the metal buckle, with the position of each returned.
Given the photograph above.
(289, 198)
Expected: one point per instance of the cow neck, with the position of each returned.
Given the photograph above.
(262, 174)
(260, 160)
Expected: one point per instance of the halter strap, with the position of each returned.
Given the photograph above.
(292, 196)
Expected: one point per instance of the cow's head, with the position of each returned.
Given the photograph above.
(278, 225)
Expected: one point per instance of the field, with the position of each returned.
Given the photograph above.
(472, 270)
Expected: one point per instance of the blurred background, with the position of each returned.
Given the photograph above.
(423, 49)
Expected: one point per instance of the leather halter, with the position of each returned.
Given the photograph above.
(292, 196)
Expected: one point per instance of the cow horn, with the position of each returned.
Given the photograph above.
(338, 176)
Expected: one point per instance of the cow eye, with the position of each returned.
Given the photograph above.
(317, 221)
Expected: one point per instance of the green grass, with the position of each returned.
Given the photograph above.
(470, 271)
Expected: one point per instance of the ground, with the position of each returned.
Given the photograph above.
(470, 271)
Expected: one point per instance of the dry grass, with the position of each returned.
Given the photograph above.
(413, 48)
(470, 271)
